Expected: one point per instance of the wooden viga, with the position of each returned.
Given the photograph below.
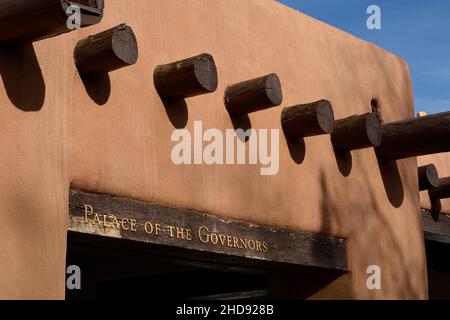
(356, 132)
(307, 120)
(442, 191)
(253, 95)
(186, 78)
(107, 51)
(415, 137)
(437, 194)
(32, 20)
(428, 177)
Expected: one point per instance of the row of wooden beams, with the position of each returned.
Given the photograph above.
(28, 21)
(182, 79)
(393, 141)
(116, 48)
(198, 75)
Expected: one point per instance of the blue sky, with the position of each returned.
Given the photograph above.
(416, 30)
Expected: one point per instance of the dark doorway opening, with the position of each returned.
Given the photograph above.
(438, 259)
(124, 269)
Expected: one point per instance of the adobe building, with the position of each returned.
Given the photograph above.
(122, 126)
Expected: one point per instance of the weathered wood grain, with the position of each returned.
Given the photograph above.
(436, 229)
(357, 132)
(415, 137)
(308, 120)
(283, 246)
(253, 95)
(107, 51)
(186, 78)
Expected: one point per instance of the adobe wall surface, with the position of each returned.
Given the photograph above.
(53, 134)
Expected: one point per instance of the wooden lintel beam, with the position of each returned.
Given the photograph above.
(155, 225)
(436, 226)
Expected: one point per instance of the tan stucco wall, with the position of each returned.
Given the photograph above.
(123, 147)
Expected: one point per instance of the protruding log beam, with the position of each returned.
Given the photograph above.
(253, 95)
(31, 20)
(107, 51)
(357, 132)
(443, 191)
(308, 120)
(186, 78)
(428, 177)
(416, 137)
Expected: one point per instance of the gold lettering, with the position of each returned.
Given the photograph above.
(201, 235)
(251, 245)
(133, 225)
(104, 221)
(88, 210)
(243, 243)
(214, 238)
(97, 219)
(204, 235)
(171, 229)
(235, 242)
(148, 228)
(229, 241)
(122, 222)
(189, 235)
(180, 233)
(258, 246)
(222, 239)
(115, 223)
(157, 229)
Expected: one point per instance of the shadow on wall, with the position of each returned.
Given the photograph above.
(392, 181)
(367, 225)
(22, 77)
(242, 122)
(98, 87)
(297, 148)
(177, 112)
(344, 161)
